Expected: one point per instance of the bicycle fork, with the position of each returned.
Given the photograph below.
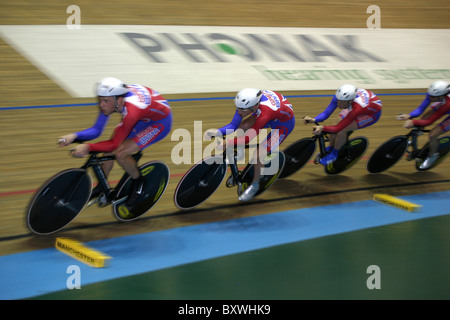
(412, 153)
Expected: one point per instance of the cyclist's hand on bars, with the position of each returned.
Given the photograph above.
(211, 133)
(408, 124)
(67, 139)
(403, 116)
(307, 119)
(317, 130)
(80, 151)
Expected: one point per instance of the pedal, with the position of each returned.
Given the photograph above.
(102, 201)
(230, 182)
(241, 188)
(94, 201)
(409, 156)
(120, 201)
(317, 159)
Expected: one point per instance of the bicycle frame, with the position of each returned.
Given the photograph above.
(412, 141)
(96, 162)
(321, 139)
(233, 167)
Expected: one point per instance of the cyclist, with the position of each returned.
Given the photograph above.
(146, 119)
(438, 98)
(257, 109)
(361, 108)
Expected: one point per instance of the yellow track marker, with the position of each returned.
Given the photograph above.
(82, 253)
(396, 202)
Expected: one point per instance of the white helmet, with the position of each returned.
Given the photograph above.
(109, 87)
(439, 88)
(247, 98)
(346, 92)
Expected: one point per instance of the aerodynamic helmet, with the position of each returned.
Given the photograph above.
(346, 92)
(109, 87)
(247, 98)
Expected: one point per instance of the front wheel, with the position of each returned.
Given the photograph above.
(156, 176)
(297, 155)
(200, 182)
(59, 201)
(387, 154)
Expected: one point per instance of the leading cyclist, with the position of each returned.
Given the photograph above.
(146, 118)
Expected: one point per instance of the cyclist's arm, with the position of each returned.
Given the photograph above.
(121, 132)
(435, 116)
(95, 131)
(250, 134)
(328, 111)
(421, 108)
(351, 116)
(233, 125)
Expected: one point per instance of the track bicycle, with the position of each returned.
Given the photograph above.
(61, 198)
(387, 154)
(300, 152)
(204, 178)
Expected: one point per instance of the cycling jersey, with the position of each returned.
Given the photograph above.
(274, 112)
(146, 118)
(365, 109)
(440, 109)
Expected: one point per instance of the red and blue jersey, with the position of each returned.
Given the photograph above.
(440, 109)
(366, 103)
(141, 104)
(274, 111)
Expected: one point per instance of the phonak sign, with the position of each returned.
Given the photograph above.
(196, 59)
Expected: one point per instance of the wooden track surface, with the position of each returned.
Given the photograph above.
(29, 155)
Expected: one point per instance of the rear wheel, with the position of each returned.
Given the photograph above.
(156, 176)
(349, 154)
(270, 174)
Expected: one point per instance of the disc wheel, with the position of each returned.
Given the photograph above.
(297, 155)
(59, 200)
(349, 154)
(200, 182)
(156, 176)
(270, 173)
(386, 155)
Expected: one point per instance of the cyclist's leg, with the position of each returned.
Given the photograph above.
(433, 143)
(279, 132)
(341, 136)
(362, 121)
(434, 134)
(143, 135)
(433, 139)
